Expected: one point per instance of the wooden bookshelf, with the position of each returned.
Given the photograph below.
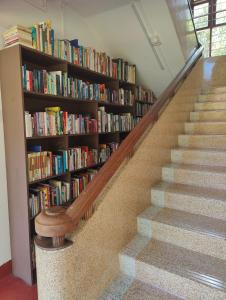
(15, 101)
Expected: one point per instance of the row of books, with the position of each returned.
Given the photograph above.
(58, 83)
(43, 39)
(54, 121)
(109, 122)
(142, 108)
(106, 150)
(145, 95)
(57, 192)
(85, 90)
(43, 81)
(42, 164)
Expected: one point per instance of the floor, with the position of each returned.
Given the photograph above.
(12, 288)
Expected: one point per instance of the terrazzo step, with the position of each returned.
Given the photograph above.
(212, 97)
(214, 115)
(128, 288)
(209, 141)
(204, 176)
(196, 200)
(195, 232)
(205, 127)
(218, 105)
(185, 273)
(215, 90)
(209, 157)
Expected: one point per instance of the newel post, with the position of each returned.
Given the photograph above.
(55, 255)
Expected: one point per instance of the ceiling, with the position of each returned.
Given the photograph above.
(88, 8)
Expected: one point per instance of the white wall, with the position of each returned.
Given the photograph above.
(124, 36)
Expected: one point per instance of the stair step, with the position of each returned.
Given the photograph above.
(215, 90)
(204, 176)
(205, 127)
(196, 200)
(199, 233)
(214, 115)
(209, 141)
(218, 105)
(212, 97)
(185, 273)
(128, 288)
(209, 157)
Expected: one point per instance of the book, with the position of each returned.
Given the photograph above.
(106, 150)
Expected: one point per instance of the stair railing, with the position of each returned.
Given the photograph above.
(52, 225)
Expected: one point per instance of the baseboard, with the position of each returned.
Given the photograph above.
(6, 269)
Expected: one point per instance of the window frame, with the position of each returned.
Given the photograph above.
(212, 13)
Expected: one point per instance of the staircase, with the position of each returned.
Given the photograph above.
(180, 249)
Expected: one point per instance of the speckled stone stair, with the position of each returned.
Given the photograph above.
(128, 288)
(205, 127)
(212, 97)
(189, 198)
(211, 115)
(196, 141)
(195, 232)
(209, 157)
(203, 176)
(180, 249)
(185, 273)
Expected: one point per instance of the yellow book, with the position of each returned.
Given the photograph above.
(53, 109)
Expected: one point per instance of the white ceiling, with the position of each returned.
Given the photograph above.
(88, 8)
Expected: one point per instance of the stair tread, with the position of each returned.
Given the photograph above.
(206, 122)
(191, 190)
(186, 221)
(203, 134)
(128, 288)
(213, 150)
(141, 290)
(199, 168)
(186, 263)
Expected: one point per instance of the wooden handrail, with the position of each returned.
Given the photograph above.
(55, 223)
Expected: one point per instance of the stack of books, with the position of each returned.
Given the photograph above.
(17, 35)
(82, 157)
(125, 71)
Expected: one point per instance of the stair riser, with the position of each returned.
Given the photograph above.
(175, 284)
(191, 240)
(202, 141)
(215, 90)
(210, 106)
(205, 128)
(208, 116)
(197, 178)
(212, 97)
(198, 157)
(195, 205)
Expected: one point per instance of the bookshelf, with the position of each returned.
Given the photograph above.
(15, 101)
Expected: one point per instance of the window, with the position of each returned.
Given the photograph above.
(210, 23)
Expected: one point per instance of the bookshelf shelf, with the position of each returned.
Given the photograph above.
(16, 101)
